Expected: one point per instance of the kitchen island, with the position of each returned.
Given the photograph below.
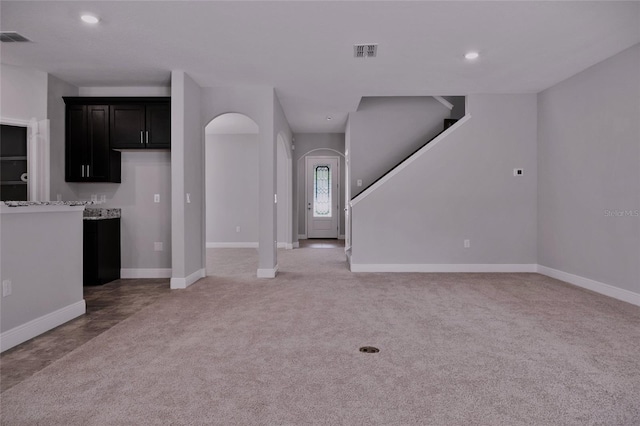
(41, 268)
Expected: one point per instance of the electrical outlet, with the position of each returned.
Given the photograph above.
(6, 288)
(59, 197)
(467, 243)
(158, 246)
(188, 198)
(518, 172)
(94, 198)
(359, 182)
(156, 198)
(237, 229)
(103, 198)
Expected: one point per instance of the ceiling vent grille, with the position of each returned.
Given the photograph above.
(12, 37)
(365, 50)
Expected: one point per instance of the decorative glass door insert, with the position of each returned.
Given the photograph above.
(322, 191)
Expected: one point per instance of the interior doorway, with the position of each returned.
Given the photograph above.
(322, 196)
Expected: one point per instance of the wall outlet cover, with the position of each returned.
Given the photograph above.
(156, 198)
(158, 246)
(518, 172)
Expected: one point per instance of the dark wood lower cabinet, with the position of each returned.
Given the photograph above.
(101, 263)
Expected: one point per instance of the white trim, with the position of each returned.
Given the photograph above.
(443, 267)
(444, 102)
(36, 327)
(410, 160)
(589, 284)
(286, 246)
(296, 245)
(268, 272)
(177, 283)
(126, 273)
(302, 236)
(233, 245)
(14, 122)
(341, 237)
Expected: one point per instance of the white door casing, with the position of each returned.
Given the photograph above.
(322, 196)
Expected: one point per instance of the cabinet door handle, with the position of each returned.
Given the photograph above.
(141, 137)
(87, 170)
(147, 134)
(83, 170)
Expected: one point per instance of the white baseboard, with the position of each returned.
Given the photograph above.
(36, 327)
(341, 237)
(302, 236)
(443, 267)
(296, 245)
(589, 284)
(286, 246)
(145, 273)
(233, 245)
(177, 283)
(268, 272)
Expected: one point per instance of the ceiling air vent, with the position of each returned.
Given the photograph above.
(365, 50)
(12, 36)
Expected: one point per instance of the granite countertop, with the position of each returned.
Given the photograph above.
(46, 203)
(92, 213)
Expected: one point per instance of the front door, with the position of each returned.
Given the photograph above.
(323, 198)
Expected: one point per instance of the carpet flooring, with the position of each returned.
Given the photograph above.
(455, 349)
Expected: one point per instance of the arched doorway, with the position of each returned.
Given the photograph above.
(231, 194)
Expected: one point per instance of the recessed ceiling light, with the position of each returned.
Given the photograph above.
(472, 55)
(90, 19)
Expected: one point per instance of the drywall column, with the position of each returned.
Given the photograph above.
(268, 255)
(187, 182)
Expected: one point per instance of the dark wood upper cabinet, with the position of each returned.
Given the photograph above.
(88, 155)
(144, 125)
(158, 119)
(127, 126)
(98, 127)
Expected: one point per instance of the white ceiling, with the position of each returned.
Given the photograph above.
(305, 49)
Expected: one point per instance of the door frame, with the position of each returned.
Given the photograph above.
(307, 160)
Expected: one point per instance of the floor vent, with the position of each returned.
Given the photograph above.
(365, 50)
(12, 37)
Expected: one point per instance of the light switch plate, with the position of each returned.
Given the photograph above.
(156, 198)
(188, 198)
(518, 172)
(6, 288)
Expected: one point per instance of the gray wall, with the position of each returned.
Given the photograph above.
(232, 187)
(144, 173)
(589, 163)
(24, 93)
(463, 188)
(42, 256)
(385, 130)
(56, 115)
(324, 143)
